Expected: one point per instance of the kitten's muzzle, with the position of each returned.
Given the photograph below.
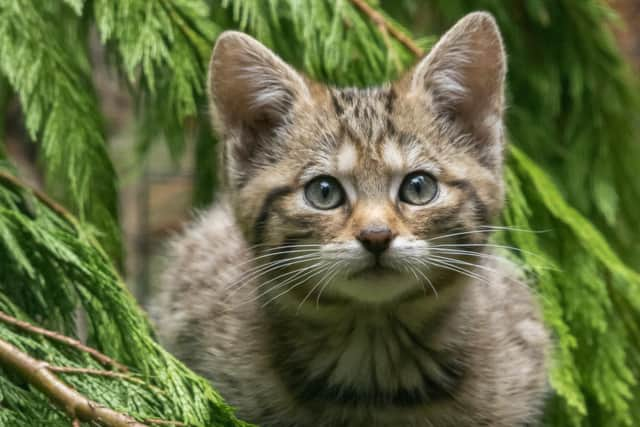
(376, 239)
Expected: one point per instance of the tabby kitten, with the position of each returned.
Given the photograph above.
(345, 278)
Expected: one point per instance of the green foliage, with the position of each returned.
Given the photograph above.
(590, 298)
(49, 266)
(572, 122)
(42, 45)
(163, 46)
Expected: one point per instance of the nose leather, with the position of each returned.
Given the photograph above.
(375, 239)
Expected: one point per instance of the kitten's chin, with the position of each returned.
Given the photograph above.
(376, 285)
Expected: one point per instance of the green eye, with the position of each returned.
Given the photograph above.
(418, 188)
(324, 192)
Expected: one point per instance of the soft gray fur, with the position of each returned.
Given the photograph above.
(398, 339)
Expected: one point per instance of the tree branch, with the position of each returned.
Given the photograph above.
(164, 422)
(383, 25)
(52, 204)
(77, 406)
(102, 358)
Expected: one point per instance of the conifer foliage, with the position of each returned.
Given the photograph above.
(573, 190)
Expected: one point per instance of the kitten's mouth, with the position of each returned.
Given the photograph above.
(376, 270)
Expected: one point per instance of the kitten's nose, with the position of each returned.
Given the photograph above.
(375, 239)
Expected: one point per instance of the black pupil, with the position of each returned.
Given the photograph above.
(417, 184)
(325, 189)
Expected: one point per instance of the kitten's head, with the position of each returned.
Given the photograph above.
(354, 191)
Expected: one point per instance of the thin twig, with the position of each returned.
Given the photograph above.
(100, 373)
(164, 422)
(381, 22)
(102, 358)
(90, 371)
(52, 204)
(74, 404)
(55, 207)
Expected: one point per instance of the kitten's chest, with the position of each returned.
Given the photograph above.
(370, 360)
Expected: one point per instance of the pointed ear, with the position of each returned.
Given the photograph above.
(463, 77)
(253, 93)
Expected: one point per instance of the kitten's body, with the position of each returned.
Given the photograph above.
(393, 315)
(484, 355)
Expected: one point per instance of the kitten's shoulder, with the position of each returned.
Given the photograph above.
(200, 262)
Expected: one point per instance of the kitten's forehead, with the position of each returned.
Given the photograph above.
(364, 115)
(366, 140)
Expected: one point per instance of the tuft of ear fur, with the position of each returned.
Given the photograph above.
(463, 77)
(253, 93)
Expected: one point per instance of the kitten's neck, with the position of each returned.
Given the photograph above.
(402, 354)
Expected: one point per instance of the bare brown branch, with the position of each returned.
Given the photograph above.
(104, 359)
(384, 25)
(77, 406)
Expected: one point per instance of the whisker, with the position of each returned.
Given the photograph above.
(484, 255)
(487, 245)
(301, 282)
(284, 252)
(267, 268)
(412, 270)
(433, 288)
(487, 229)
(330, 270)
(457, 269)
(340, 264)
(462, 262)
(294, 275)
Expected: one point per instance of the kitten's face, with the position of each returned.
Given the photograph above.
(355, 192)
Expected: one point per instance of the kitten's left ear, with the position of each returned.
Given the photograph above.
(253, 93)
(464, 76)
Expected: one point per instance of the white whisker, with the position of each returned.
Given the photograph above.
(320, 282)
(295, 274)
(290, 288)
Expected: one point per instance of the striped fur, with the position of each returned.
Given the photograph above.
(290, 317)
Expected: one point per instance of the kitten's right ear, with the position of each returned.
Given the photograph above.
(464, 76)
(253, 93)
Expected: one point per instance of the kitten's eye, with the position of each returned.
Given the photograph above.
(324, 192)
(418, 188)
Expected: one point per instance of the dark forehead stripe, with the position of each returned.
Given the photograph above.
(263, 217)
(364, 114)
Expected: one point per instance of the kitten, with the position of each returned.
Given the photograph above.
(344, 278)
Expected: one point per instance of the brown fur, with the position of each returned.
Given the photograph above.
(281, 307)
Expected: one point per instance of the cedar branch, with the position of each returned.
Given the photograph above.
(164, 422)
(70, 370)
(77, 406)
(90, 371)
(53, 205)
(102, 358)
(383, 25)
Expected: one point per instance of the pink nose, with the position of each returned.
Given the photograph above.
(375, 239)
